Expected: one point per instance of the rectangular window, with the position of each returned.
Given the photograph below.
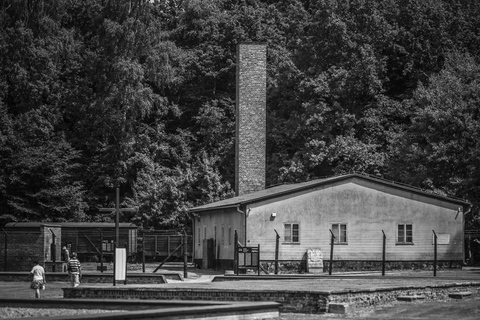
(340, 232)
(291, 232)
(405, 233)
(215, 233)
(204, 232)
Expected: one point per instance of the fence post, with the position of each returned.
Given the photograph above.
(101, 250)
(235, 254)
(434, 253)
(185, 273)
(114, 262)
(143, 253)
(331, 253)
(215, 253)
(277, 243)
(126, 262)
(469, 248)
(6, 248)
(383, 253)
(258, 259)
(168, 245)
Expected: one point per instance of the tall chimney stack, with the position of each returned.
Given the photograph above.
(251, 98)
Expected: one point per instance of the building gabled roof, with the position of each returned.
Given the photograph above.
(286, 189)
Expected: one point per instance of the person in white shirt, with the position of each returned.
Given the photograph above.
(38, 281)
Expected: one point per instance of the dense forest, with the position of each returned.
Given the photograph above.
(140, 95)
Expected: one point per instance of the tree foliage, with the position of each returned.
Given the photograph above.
(439, 150)
(141, 95)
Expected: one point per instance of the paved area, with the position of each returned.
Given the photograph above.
(198, 278)
(313, 285)
(338, 282)
(201, 278)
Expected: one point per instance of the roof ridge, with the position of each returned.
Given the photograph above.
(298, 186)
(378, 177)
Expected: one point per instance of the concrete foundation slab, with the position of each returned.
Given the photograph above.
(411, 298)
(460, 295)
(339, 308)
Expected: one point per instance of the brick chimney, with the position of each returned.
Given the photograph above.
(251, 97)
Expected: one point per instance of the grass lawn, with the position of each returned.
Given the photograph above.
(21, 290)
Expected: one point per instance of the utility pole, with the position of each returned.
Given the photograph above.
(117, 211)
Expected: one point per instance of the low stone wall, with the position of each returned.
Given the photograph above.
(291, 301)
(390, 265)
(58, 266)
(299, 266)
(363, 299)
(304, 302)
(285, 267)
(218, 264)
(139, 278)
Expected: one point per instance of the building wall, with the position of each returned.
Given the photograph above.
(367, 208)
(86, 241)
(26, 245)
(205, 226)
(250, 146)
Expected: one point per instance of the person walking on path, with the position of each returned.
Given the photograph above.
(66, 254)
(38, 281)
(74, 270)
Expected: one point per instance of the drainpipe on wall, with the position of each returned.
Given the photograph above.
(194, 235)
(463, 227)
(245, 223)
(193, 240)
(53, 250)
(468, 211)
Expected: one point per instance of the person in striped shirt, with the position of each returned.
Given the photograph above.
(74, 270)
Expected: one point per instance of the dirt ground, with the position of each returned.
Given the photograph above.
(466, 309)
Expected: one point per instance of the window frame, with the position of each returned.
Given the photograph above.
(338, 237)
(405, 234)
(291, 235)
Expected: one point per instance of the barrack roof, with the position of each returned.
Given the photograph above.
(69, 224)
(286, 189)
